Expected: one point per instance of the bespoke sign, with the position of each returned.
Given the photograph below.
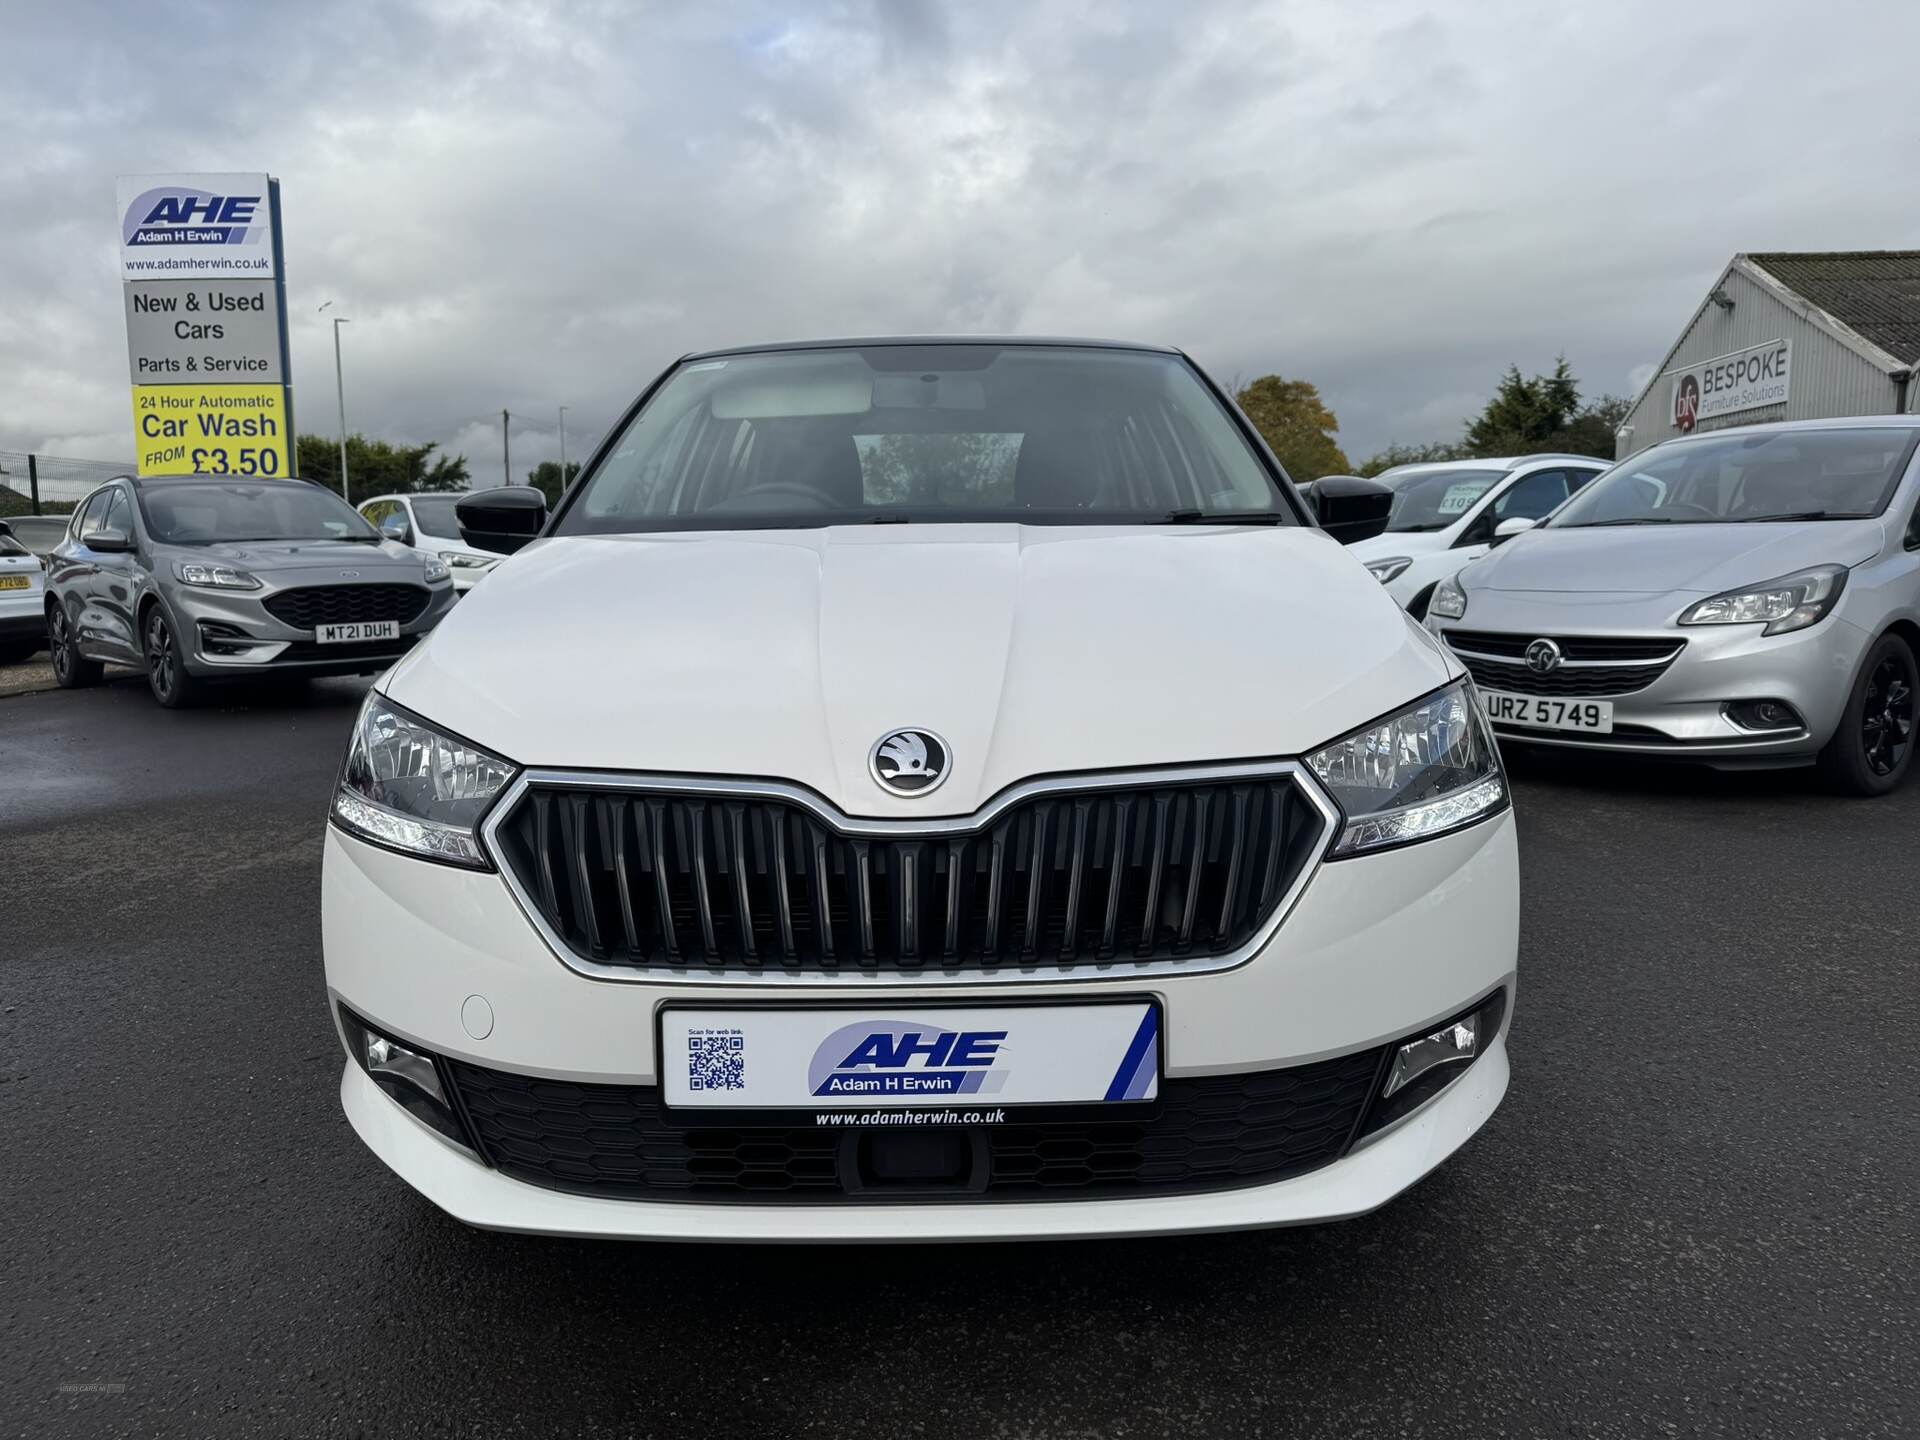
(1750, 379)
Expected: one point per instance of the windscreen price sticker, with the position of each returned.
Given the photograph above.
(212, 430)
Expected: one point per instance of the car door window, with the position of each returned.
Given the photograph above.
(378, 510)
(1532, 497)
(1577, 478)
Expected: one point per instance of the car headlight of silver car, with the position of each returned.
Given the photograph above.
(1448, 601)
(216, 577)
(411, 787)
(1792, 602)
(465, 560)
(436, 570)
(1389, 569)
(1420, 772)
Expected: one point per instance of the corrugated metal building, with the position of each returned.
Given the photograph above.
(1789, 337)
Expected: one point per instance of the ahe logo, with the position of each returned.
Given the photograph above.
(172, 216)
(898, 1057)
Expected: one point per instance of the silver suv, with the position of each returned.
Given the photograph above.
(1749, 597)
(204, 578)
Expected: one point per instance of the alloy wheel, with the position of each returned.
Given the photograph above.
(57, 644)
(1886, 724)
(161, 660)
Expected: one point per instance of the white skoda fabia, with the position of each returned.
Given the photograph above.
(922, 789)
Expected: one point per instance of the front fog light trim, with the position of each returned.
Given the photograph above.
(1420, 1067)
(408, 1075)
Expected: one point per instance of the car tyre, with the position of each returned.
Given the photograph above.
(1872, 751)
(167, 673)
(71, 669)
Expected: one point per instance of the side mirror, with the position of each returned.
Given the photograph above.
(502, 520)
(109, 542)
(395, 527)
(1512, 526)
(1349, 508)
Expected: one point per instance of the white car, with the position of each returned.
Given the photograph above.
(921, 790)
(1446, 514)
(23, 599)
(427, 523)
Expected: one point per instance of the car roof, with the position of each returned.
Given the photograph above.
(1788, 427)
(147, 482)
(859, 341)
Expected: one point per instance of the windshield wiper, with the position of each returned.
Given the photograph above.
(1807, 515)
(1624, 520)
(1223, 517)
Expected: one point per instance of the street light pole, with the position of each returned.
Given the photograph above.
(563, 447)
(340, 388)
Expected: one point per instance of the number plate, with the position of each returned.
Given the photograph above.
(1593, 717)
(918, 1056)
(357, 632)
(14, 582)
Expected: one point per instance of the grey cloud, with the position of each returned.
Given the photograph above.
(525, 205)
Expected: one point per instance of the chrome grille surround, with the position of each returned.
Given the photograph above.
(1120, 967)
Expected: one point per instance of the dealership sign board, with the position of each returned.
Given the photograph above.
(1751, 379)
(205, 294)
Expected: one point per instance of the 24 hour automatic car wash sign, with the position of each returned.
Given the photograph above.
(205, 292)
(1750, 379)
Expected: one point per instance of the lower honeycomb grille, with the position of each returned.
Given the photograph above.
(1204, 1133)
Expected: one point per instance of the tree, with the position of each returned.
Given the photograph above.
(1297, 426)
(546, 478)
(1524, 415)
(376, 467)
(1592, 430)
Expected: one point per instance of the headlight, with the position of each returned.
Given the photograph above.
(1389, 569)
(462, 560)
(217, 577)
(409, 787)
(436, 569)
(1792, 602)
(1427, 770)
(1448, 601)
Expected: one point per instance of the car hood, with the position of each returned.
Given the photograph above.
(277, 557)
(1662, 559)
(1030, 650)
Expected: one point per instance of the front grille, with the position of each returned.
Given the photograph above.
(1572, 647)
(1607, 666)
(1207, 1133)
(316, 605)
(715, 884)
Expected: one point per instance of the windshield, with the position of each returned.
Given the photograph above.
(1732, 478)
(433, 514)
(210, 512)
(941, 433)
(1434, 499)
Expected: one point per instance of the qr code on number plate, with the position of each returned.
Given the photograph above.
(716, 1060)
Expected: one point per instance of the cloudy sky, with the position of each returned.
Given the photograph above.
(524, 206)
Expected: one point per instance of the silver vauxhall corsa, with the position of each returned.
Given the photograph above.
(204, 578)
(1745, 598)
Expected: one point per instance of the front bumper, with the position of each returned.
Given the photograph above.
(1684, 713)
(1376, 948)
(233, 637)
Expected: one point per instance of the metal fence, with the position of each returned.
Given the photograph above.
(34, 484)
